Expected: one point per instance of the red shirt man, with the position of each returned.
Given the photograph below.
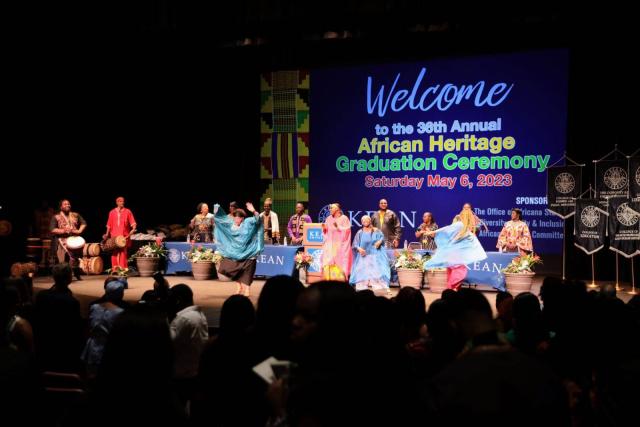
(120, 223)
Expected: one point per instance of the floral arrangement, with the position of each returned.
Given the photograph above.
(303, 260)
(523, 264)
(151, 250)
(202, 254)
(408, 258)
(117, 271)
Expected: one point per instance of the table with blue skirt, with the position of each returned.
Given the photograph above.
(486, 272)
(273, 260)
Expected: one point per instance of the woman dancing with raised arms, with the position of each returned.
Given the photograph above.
(240, 241)
(457, 247)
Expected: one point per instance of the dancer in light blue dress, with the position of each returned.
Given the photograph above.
(457, 247)
(239, 240)
(370, 265)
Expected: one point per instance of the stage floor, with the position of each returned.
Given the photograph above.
(211, 294)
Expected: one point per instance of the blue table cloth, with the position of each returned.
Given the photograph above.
(274, 260)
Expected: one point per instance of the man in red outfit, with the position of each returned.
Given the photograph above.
(120, 223)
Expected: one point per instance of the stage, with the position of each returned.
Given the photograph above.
(211, 294)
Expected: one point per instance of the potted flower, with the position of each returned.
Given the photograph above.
(148, 258)
(409, 265)
(519, 273)
(202, 261)
(303, 262)
(436, 278)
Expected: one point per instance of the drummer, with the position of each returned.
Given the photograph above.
(120, 225)
(63, 225)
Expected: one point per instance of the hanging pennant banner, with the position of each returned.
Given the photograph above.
(634, 175)
(624, 226)
(590, 225)
(563, 188)
(612, 179)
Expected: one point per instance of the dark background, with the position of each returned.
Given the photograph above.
(158, 100)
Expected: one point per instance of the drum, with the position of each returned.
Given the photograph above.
(93, 265)
(46, 253)
(5, 227)
(34, 249)
(75, 242)
(108, 245)
(121, 241)
(91, 249)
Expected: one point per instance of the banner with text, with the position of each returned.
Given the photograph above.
(563, 188)
(590, 226)
(624, 226)
(434, 135)
(612, 179)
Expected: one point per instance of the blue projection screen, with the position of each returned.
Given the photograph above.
(432, 135)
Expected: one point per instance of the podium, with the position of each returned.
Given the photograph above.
(312, 240)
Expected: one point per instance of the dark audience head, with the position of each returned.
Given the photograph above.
(448, 293)
(25, 293)
(62, 274)
(438, 318)
(526, 311)
(502, 296)
(634, 302)
(181, 296)
(148, 296)
(110, 279)
(504, 304)
(472, 313)
(161, 288)
(237, 316)
(411, 309)
(608, 291)
(139, 352)
(277, 303)
(114, 291)
(324, 321)
(134, 379)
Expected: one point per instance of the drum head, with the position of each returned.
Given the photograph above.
(75, 242)
(121, 241)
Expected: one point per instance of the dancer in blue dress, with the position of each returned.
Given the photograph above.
(457, 247)
(239, 239)
(371, 265)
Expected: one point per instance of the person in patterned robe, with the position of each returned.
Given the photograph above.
(515, 235)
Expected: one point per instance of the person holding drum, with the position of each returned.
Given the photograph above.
(120, 225)
(66, 227)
